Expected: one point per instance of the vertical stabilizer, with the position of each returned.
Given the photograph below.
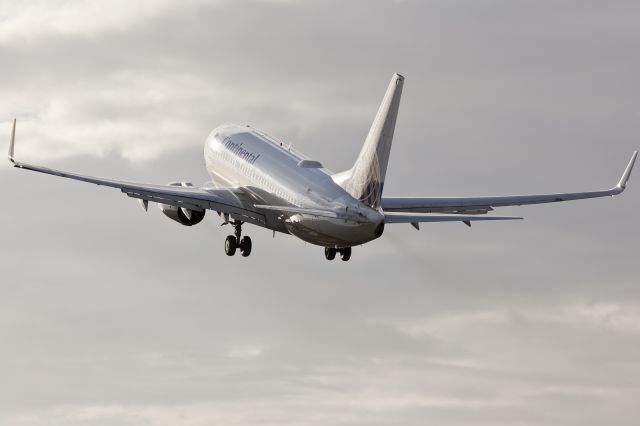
(365, 180)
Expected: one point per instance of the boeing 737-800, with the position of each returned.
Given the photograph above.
(257, 179)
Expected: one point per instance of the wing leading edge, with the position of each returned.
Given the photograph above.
(222, 200)
(482, 205)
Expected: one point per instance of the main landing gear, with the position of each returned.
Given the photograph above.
(236, 241)
(330, 253)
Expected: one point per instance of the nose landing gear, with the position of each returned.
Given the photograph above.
(237, 241)
(330, 253)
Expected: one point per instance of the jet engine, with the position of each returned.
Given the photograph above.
(187, 217)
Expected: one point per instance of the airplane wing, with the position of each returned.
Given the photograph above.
(482, 205)
(229, 201)
(416, 219)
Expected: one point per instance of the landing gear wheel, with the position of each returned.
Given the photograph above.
(230, 245)
(237, 241)
(245, 246)
(329, 253)
(345, 253)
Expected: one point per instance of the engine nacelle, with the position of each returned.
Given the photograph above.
(187, 217)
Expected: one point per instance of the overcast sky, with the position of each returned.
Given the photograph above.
(113, 316)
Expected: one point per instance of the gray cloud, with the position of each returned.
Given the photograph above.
(110, 315)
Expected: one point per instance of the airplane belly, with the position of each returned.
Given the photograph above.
(329, 232)
(270, 174)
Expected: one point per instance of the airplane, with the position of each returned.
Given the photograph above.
(259, 180)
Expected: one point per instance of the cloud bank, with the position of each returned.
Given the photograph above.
(110, 315)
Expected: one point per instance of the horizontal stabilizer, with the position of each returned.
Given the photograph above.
(298, 210)
(418, 218)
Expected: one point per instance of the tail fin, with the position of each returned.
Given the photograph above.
(365, 180)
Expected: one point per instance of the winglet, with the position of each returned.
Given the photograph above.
(627, 172)
(12, 142)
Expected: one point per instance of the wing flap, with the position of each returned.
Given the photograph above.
(421, 218)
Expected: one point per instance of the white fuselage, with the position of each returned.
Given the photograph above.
(243, 157)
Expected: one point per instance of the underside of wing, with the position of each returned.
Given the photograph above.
(482, 205)
(223, 200)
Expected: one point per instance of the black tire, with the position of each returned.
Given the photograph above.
(245, 246)
(329, 253)
(230, 245)
(346, 253)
